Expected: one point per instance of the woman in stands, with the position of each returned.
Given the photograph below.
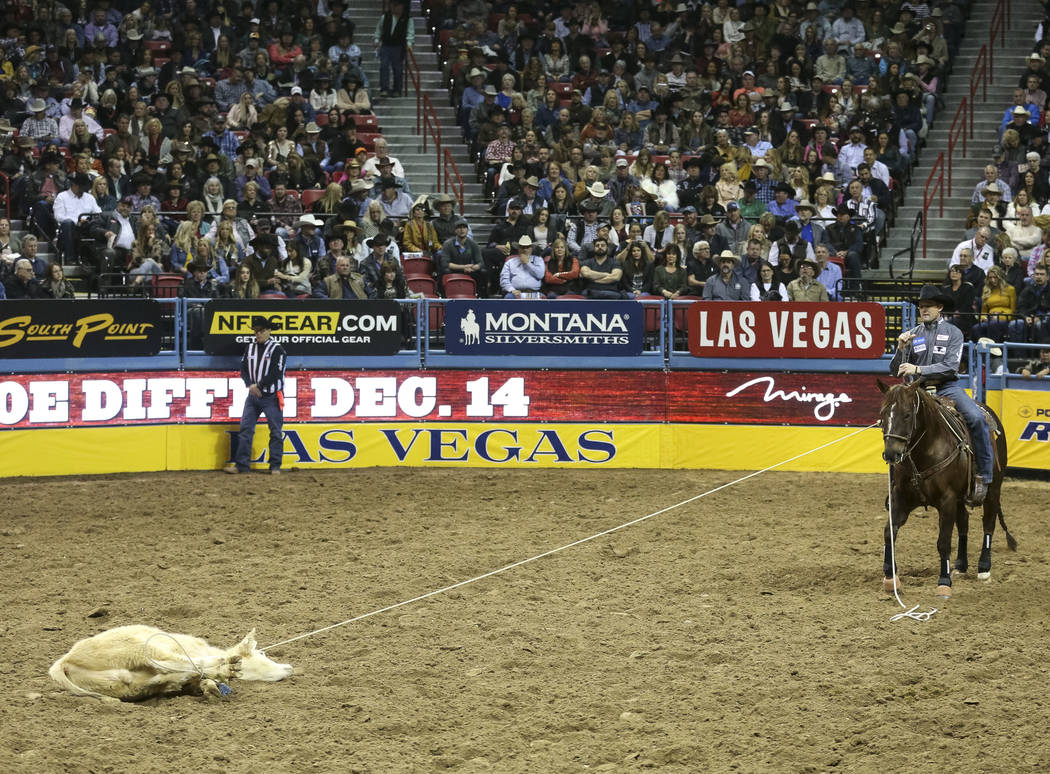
(998, 304)
(824, 200)
(556, 62)
(642, 167)
(628, 135)
(637, 261)
(294, 272)
(55, 284)
(669, 277)
(618, 225)
(798, 179)
(1023, 198)
(184, 248)
(225, 250)
(661, 188)
(195, 212)
(964, 296)
(244, 284)
(155, 144)
(243, 114)
(391, 282)
(100, 190)
(660, 232)
(419, 235)
(541, 231)
(791, 151)
(707, 204)
(372, 221)
(695, 133)
(253, 204)
(561, 207)
(728, 185)
(769, 288)
(889, 154)
(741, 116)
(212, 198)
(9, 243)
(562, 272)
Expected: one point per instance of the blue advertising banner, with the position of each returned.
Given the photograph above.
(549, 328)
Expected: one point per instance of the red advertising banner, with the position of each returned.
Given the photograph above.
(180, 397)
(771, 329)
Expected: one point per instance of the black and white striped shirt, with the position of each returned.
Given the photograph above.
(263, 364)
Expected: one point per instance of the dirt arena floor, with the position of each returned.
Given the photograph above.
(745, 632)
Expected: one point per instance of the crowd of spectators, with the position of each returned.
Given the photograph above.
(998, 272)
(598, 118)
(181, 136)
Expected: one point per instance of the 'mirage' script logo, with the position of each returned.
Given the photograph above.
(825, 402)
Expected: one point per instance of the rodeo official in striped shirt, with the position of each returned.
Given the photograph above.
(262, 369)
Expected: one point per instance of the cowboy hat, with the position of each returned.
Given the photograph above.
(828, 177)
(806, 204)
(347, 225)
(524, 241)
(810, 262)
(36, 105)
(728, 255)
(445, 199)
(359, 186)
(708, 220)
(310, 220)
(934, 295)
(261, 323)
(598, 190)
(531, 180)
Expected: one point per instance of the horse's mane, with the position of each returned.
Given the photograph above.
(903, 394)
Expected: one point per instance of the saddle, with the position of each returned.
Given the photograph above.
(957, 425)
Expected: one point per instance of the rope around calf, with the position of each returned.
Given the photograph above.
(553, 551)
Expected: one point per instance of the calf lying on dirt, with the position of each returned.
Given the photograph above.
(130, 663)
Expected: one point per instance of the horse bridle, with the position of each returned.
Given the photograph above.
(906, 439)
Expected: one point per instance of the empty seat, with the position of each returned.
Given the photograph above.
(422, 283)
(309, 196)
(419, 266)
(459, 286)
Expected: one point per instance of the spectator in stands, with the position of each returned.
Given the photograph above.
(563, 270)
(22, 284)
(344, 283)
(964, 295)
(829, 273)
(522, 273)
(982, 252)
(601, 272)
(56, 285)
(1033, 305)
(70, 207)
(846, 240)
(807, 287)
(419, 235)
(991, 177)
(997, 305)
(1024, 235)
(461, 255)
(669, 277)
(727, 285)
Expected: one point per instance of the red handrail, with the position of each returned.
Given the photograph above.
(448, 183)
(412, 68)
(934, 188)
(432, 130)
(6, 195)
(962, 112)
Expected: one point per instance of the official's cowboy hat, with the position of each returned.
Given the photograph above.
(932, 294)
(728, 255)
(261, 323)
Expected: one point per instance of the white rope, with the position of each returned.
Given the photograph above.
(224, 689)
(553, 551)
(915, 614)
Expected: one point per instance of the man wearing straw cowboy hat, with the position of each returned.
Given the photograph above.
(931, 352)
(726, 285)
(262, 369)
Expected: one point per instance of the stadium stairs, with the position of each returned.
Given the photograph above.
(944, 233)
(398, 115)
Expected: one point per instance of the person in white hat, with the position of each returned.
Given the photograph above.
(991, 177)
(38, 125)
(1020, 108)
(522, 274)
(309, 240)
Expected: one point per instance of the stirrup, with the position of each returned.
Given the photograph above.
(980, 491)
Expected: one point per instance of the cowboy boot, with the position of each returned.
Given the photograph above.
(980, 490)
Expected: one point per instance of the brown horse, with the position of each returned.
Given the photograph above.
(930, 458)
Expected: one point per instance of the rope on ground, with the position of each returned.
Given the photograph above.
(914, 613)
(575, 543)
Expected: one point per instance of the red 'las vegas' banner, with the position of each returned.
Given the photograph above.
(771, 329)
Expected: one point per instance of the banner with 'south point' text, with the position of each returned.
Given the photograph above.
(548, 328)
(309, 327)
(60, 328)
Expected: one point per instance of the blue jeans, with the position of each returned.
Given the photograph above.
(253, 407)
(979, 432)
(391, 58)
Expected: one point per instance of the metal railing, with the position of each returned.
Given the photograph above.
(934, 189)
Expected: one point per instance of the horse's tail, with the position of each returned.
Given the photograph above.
(1010, 541)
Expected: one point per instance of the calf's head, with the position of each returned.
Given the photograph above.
(255, 665)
